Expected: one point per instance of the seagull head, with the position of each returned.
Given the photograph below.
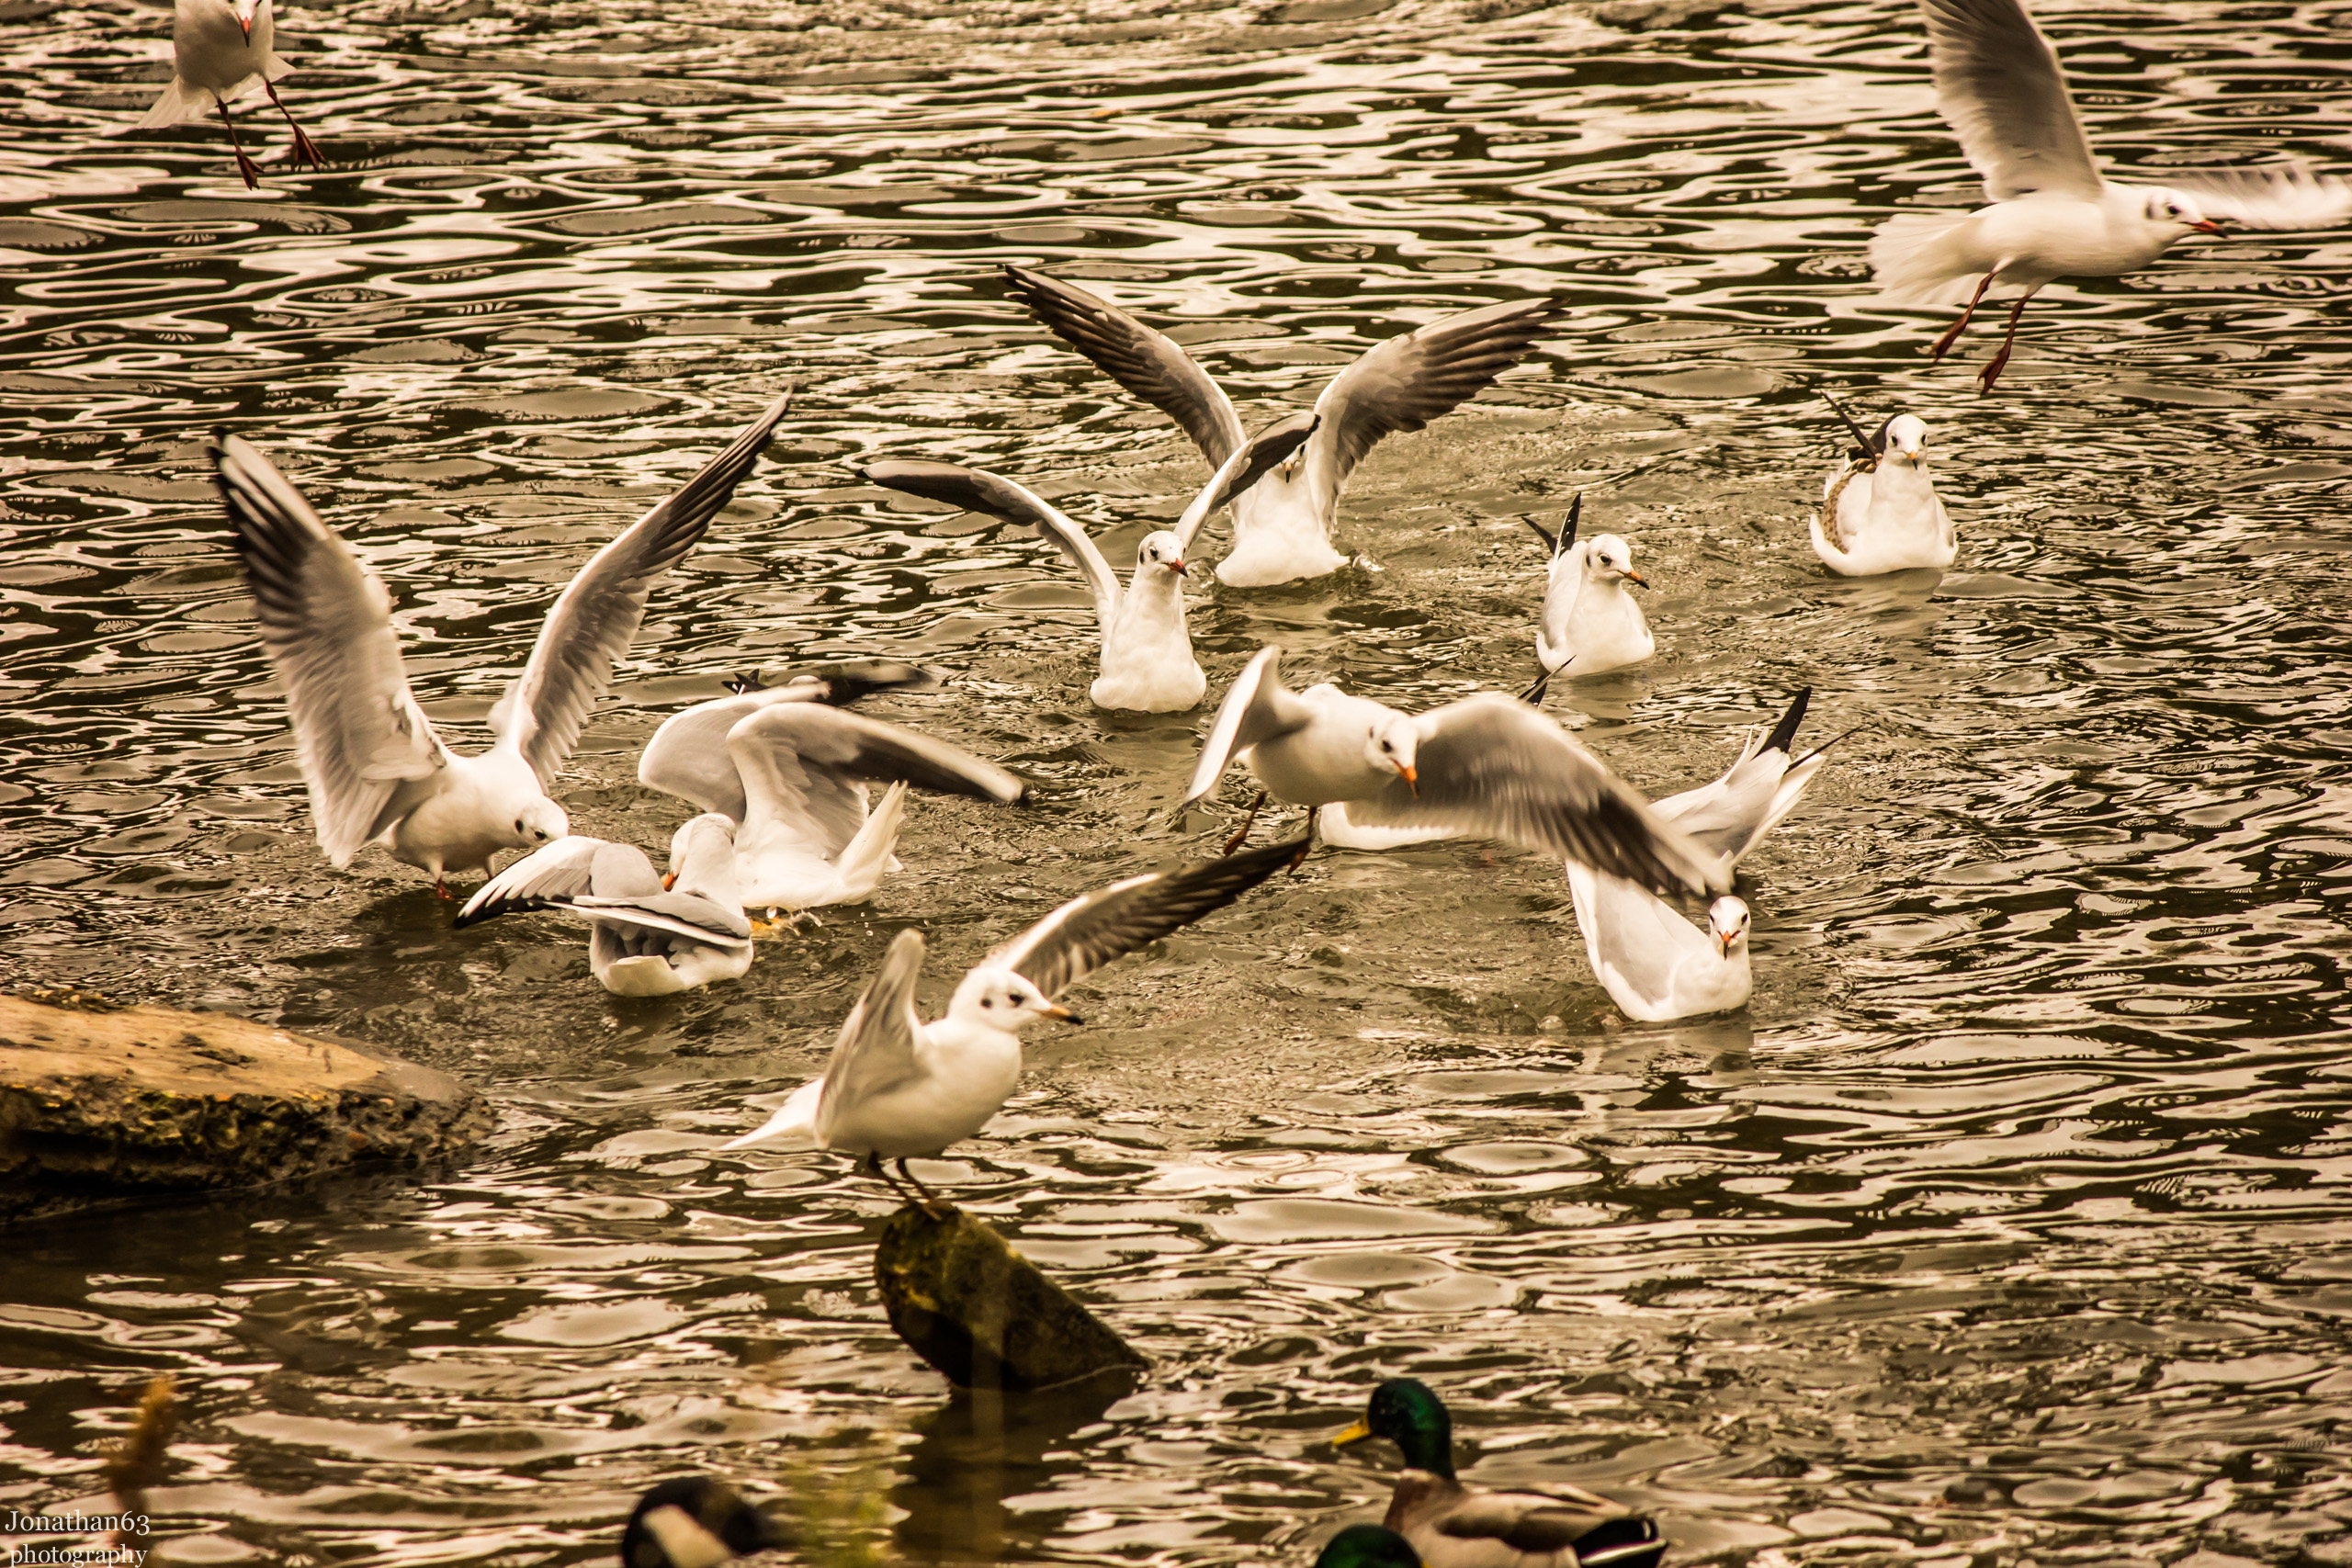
(1610, 560)
(1727, 923)
(1003, 999)
(1160, 557)
(2170, 208)
(540, 822)
(1906, 439)
(245, 11)
(1392, 748)
(702, 845)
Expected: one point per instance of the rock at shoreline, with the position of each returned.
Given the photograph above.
(99, 1101)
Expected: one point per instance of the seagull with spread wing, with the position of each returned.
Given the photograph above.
(1146, 662)
(898, 1087)
(1282, 528)
(1488, 765)
(2053, 214)
(647, 935)
(373, 763)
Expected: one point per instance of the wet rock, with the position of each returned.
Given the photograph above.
(99, 1100)
(983, 1314)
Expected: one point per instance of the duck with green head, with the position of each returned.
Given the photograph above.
(1453, 1526)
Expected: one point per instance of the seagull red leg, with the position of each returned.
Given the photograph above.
(246, 165)
(306, 150)
(1248, 822)
(1306, 845)
(1992, 372)
(1952, 332)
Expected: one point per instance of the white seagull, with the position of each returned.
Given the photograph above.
(1654, 966)
(1489, 766)
(1588, 620)
(1146, 660)
(898, 1087)
(373, 763)
(1282, 529)
(219, 48)
(647, 935)
(2053, 214)
(1880, 512)
(791, 771)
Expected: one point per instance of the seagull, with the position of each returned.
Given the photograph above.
(1880, 512)
(1147, 661)
(898, 1087)
(373, 763)
(219, 48)
(1589, 618)
(2053, 214)
(695, 1521)
(1488, 764)
(791, 771)
(647, 935)
(1654, 966)
(1282, 530)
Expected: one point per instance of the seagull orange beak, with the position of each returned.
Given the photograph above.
(1177, 567)
(1056, 1011)
(2207, 226)
(1636, 579)
(1412, 778)
(669, 882)
(1724, 940)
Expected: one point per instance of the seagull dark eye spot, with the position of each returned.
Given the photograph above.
(988, 1001)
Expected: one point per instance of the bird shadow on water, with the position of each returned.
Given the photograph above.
(981, 1448)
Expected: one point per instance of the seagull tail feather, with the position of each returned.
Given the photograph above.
(1918, 259)
(865, 859)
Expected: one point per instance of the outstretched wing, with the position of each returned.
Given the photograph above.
(977, 489)
(2283, 196)
(596, 617)
(368, 753)
(1257, 709)
(1086, 933)
(572, 867)
(1491, 765)
(1999, 86)
(875, 1051)
(802, 764)
(1136, 357)
(1248, 464)
(1412, 379)
(689, 914)
(688, 756)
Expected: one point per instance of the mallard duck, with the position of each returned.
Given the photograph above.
(1453, 1526)
(697, 1521)
(1367, 1546)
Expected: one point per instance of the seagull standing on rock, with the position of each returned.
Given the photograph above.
(219, 48)
(2053, 214)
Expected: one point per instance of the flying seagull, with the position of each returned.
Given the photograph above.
(219, 48)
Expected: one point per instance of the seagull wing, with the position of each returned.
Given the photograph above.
(875, 1051)
(1086, 933)
(1248, 464)
(1729, 815)
(1257, 709)
(1494, 766)
(977, 489)
(1143, 361)
(689, 914)
(688, 756)
(2285, 196)
(572, 867)
(596, 617)
(1412, 379)
(369, 755)
(802, 764)
(1999, 85)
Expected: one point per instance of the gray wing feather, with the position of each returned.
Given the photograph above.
(2286, 196)
(689, 914)
(977, 489)
(1257, 708)
(1414, 377)
(688, 756)
(1086, 933)
(875, 1049)
(1492, 765)
(369, 755)
(597, 615)
(575, 866)
(1998, 84)
(802, 764)
(1146, 364)
(1249, 464)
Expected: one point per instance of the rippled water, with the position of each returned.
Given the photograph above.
(2009, 1225)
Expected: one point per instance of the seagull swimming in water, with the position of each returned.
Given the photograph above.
(898, 1087)
(647, 935)
(1879, 511)
(219, 48)
(2053, 214)
(1282, 528)
(1146, 660)
(1488, 765)
(1590, 622)
(374, 766)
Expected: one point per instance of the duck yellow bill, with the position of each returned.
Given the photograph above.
(1354, 1434)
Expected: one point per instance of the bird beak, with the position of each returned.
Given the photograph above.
(1722, 940)
(1636, 579)
(1412, 778)
(1059, 1011)
(1177, 567)
(1354, 1434)
(2208, 227)
(669, 882)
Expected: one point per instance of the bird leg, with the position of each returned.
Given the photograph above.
(1992, 372)
(1306, 845)
(1943, 344)
(440, 879)
(929, 1201)
(304, 148)
(246, 165)
(1248, 822)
